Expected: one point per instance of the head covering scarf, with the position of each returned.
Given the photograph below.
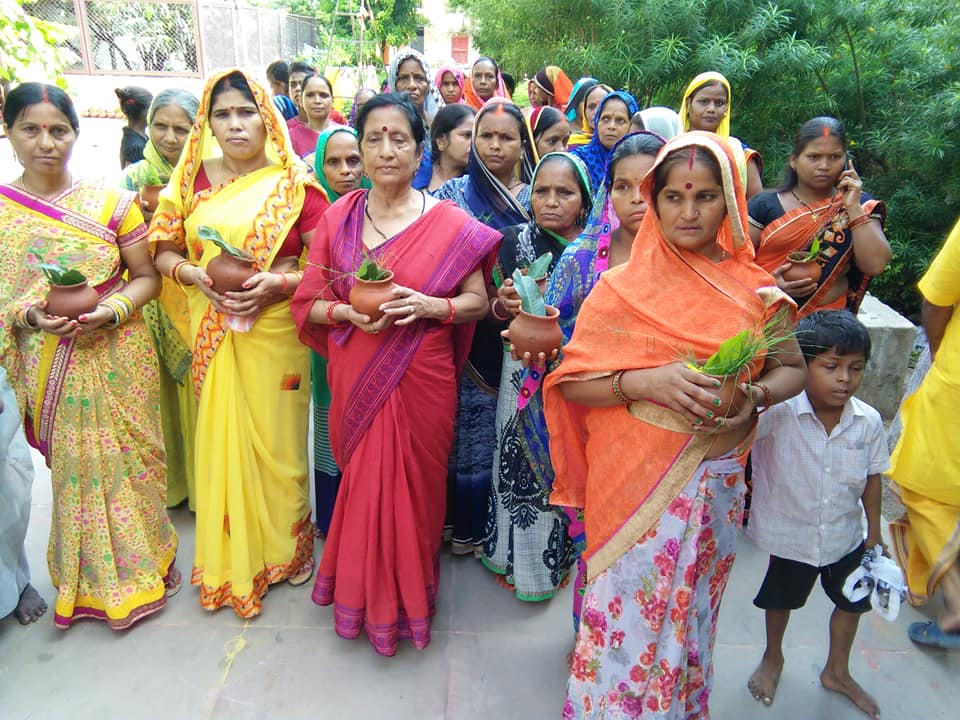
(555, 81)
(470, 96)
(578, 94)
(707, 78)
(583, 182)
(594, 154)
(279, 211)
(538, 122)
(155, 169)
(456, 72)
(353, 109)
(320, 158)
(663, 121)
(632, 484)
(490, 200)
(432, 101)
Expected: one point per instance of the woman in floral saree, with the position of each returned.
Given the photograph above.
(87, 387)
(636, 443)
(251, 374)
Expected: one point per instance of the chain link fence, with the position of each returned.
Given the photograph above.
(172, 37)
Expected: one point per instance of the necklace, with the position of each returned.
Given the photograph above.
(20, 181)
(815, 213)
(381, 233)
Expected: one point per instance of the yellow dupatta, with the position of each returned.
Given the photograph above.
(253, 212)
(723, 129)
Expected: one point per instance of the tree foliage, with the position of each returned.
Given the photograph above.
(889, 69)
(28, 46)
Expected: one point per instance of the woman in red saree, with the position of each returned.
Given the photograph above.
(638, 440)
(821, 200)
(393, 382)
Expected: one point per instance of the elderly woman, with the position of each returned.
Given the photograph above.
(86, 386)
(638, 441)
(393, 380)
(169, 121)
(249, 370)
(410, 74)
(611, 122)
(526, 543)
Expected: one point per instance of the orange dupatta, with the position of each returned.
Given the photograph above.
(622, 465)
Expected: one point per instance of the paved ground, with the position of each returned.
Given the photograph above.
(491, 657)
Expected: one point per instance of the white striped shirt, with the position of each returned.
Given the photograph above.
(807, 485)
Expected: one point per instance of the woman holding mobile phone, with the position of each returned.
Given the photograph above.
(821, 212)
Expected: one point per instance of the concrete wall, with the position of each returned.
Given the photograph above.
(893, 339)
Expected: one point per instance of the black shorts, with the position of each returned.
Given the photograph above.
(788, 583)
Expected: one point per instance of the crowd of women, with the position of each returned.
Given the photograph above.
(428, 426)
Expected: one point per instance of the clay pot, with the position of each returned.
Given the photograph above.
(149, 197)
(229, 272)
(536, 334)
(71, 301)
(541, 281)
(367, 296)
(801, 269)
(732, 397)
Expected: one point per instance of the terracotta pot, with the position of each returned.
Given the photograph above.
(801, 269)
(541, 281)
(71, 301)
(367, 296)
(731, 395)
(149, 197)
(536, 334)
(229, 272)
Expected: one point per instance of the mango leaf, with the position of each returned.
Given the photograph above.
(59, 275)
(371, 270)
(530, 298)
(210, 234)
(538, 268)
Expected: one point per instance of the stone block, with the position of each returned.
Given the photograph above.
(893, 339)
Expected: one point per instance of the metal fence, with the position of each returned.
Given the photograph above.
(172, 37)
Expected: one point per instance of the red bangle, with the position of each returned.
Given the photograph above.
(453, 312)
(330, 308)
(767, 398)
(617, 390)
(858, 221)
(283, 283)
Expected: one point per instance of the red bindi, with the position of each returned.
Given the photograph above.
(44, 127)
(689, 186)
(384, 129)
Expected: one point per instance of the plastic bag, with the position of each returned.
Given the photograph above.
(881, 578)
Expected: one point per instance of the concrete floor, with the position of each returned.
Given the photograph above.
(491, 657)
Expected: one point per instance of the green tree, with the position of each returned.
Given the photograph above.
(28, 46)
(889, 69)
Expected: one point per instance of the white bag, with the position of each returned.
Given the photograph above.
(881, 578)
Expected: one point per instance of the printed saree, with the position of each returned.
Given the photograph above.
(253, 507)
(170, 330)
(827, 222)
(90, 406)
(659, 469)
(392, 407)
(594, 154)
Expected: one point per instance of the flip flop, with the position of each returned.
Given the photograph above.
(929, 633)
(173, 582)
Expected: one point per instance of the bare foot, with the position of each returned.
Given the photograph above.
(30, 607)
(173, 582)
(851, 688)
(949, 622)
(763, 683)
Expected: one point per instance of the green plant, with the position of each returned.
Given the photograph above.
(370, 269)
(530, 298)
(205, 232)
(538, 268)
(736, 352)
(808, 255)
(57, 274)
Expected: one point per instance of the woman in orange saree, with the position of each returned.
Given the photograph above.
(635, 440)
(87, 387)
(393, 382)
(821, 202)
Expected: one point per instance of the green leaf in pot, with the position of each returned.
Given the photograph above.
(530, 298)
(57, 274)
(540, 267)
(371, 270)
(210, 234)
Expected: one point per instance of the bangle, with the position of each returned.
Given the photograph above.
(330, 308)
(453, 313)
(23, 318)
(122, 307)
(858, 221)
(617, 390)
(768, 400)
(494, 303)
(175, 272)
(283, 283)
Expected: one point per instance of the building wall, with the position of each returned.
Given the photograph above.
(443, 23)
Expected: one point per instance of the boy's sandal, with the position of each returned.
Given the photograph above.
(929, 633)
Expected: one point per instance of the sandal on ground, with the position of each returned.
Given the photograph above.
(930, 634)
(303, 574)
(173, 581)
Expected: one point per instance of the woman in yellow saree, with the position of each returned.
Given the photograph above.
(250, 372)
(87, 387)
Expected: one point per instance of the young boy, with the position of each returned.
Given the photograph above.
(817, 459)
